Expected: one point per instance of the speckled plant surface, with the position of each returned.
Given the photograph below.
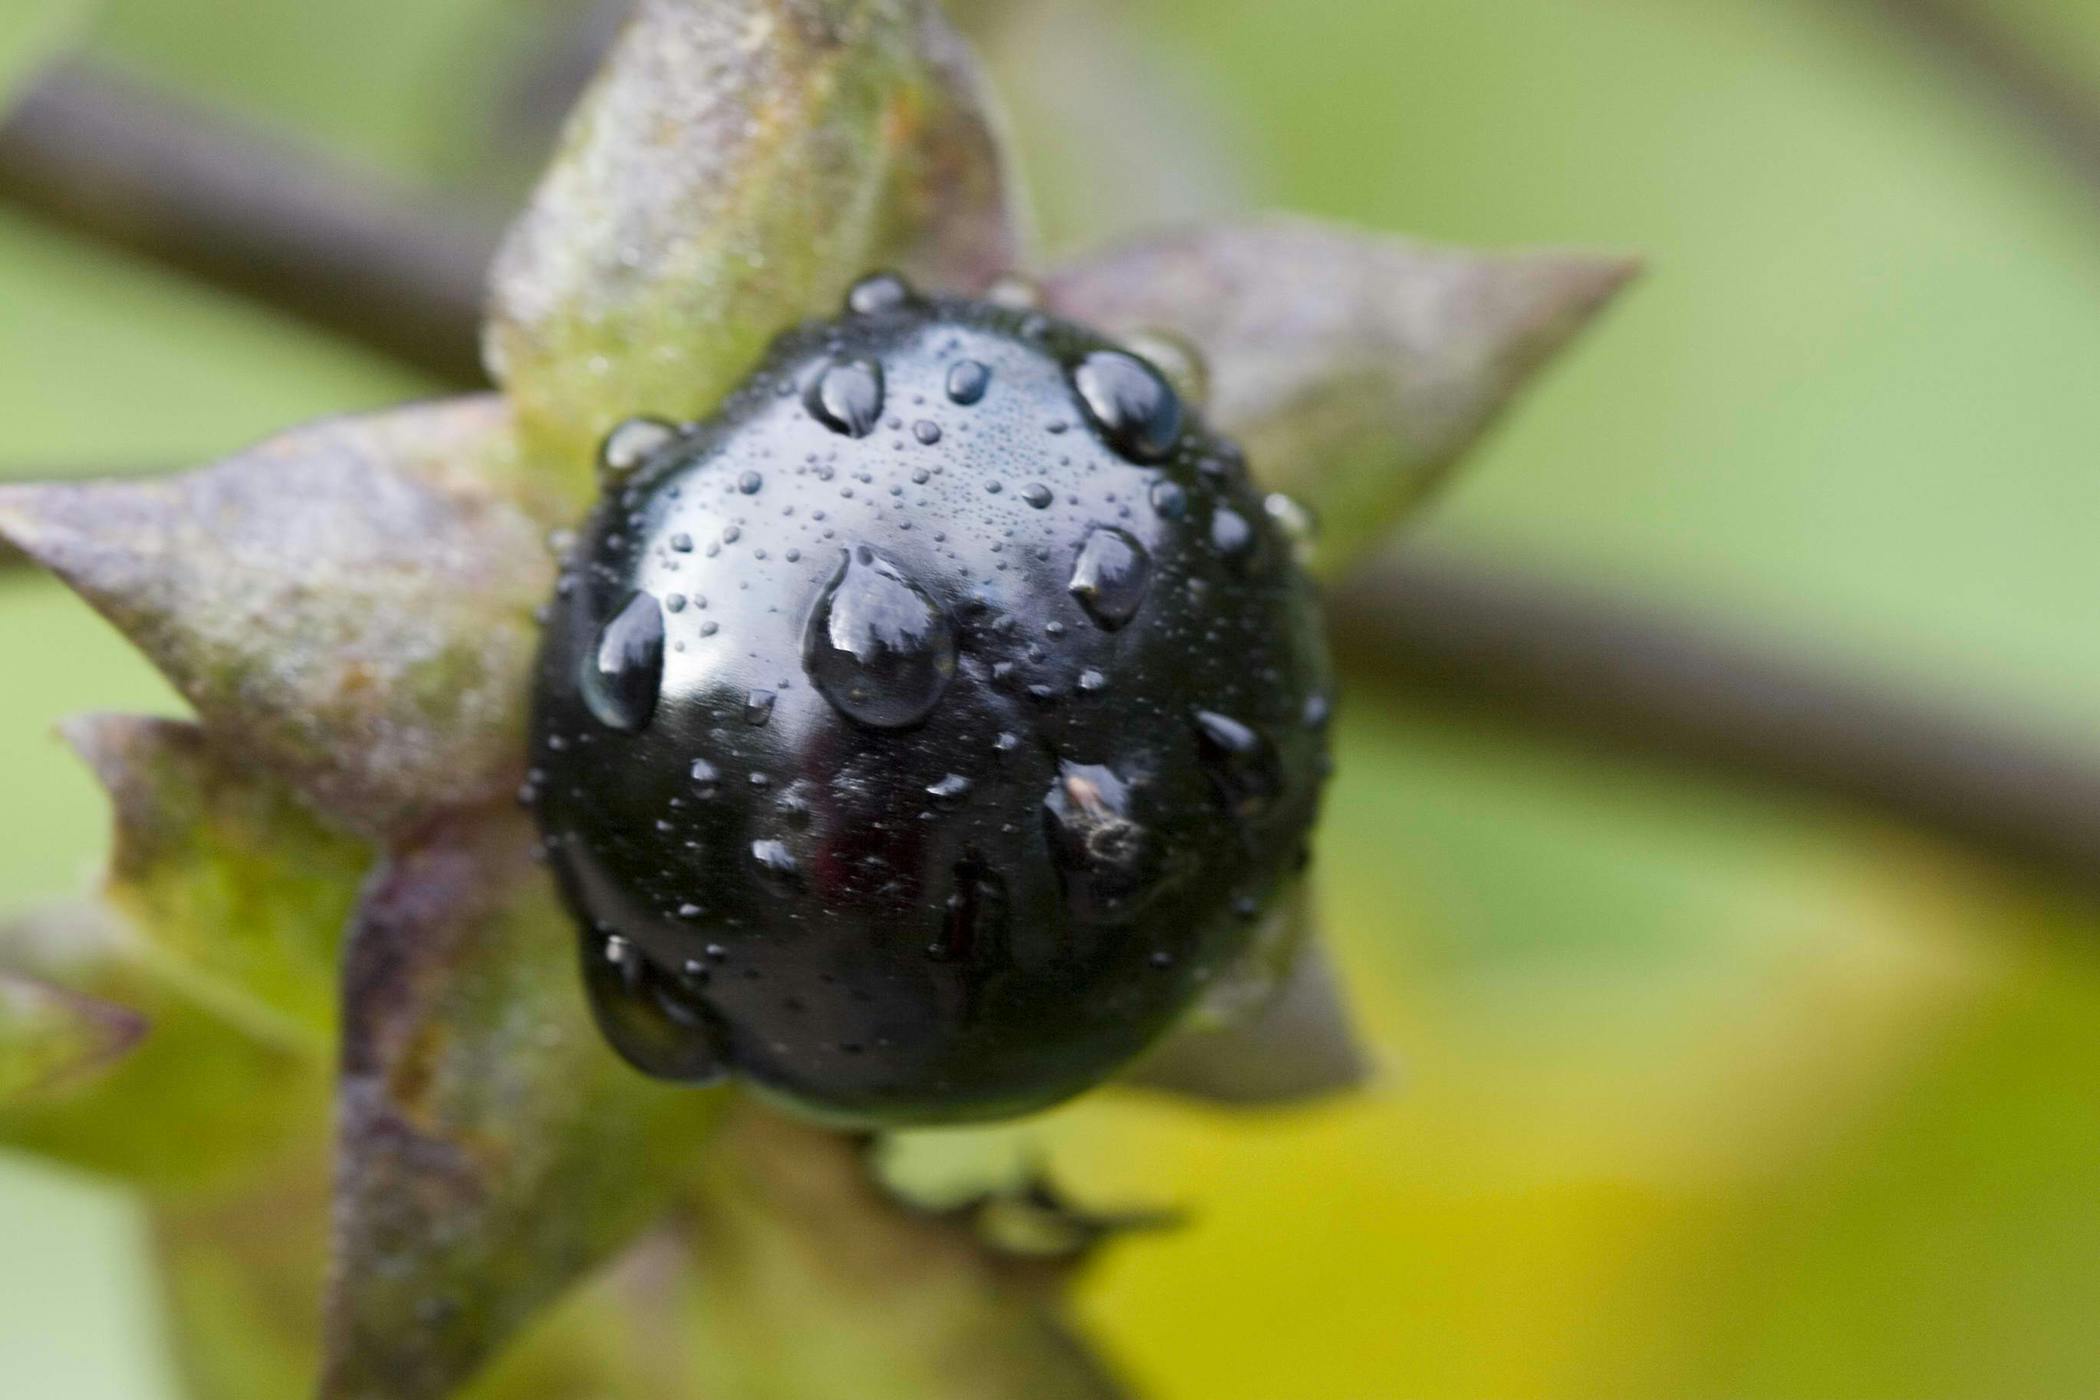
(325, 1015)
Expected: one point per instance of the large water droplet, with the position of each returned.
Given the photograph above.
(622, 673)
(1175, 357)
(1133, 406)
(967, 381)
(758, 707)
(658, 1026)
(876, 646)
(633, 442)
(1110, 577)
(847, 397)
(878, 292)
(1241, 762)
(1109, 864)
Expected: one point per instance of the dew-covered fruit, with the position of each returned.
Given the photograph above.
(913, 738)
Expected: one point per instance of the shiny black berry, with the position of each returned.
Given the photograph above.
(913, 738)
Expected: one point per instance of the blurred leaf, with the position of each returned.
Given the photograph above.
(1298, 1043)
(223, 872)
(491, 1149)
(1110, 127)
(815, 1282)
(30, 31)
(738, 164)
(52, 1039)
(1355, 368)
(242, 1275)
(348, 604)
(206, 1091)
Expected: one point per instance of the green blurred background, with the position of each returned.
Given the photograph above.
(1688, 1089)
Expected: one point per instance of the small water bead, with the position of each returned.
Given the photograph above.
(950, 789)
(926, 431)
(1037, 494)
(1014, 292)
(623, 673)
(758, 708)
(776, 862)
(876, 646)
(1297, 523)
(633, 442)
(847, 397)
(878, 292)
(1110, 577)
(967, 382)
(1242, 763)
(1136, 410)
(1230, 534)
(750, 483)
(682, 543)
(1317, 711)
(1169, 500)
(1092, 682)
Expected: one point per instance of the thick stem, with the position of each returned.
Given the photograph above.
(292, 227)
(1651, 682)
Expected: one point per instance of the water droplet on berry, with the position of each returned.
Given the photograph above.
(1176, 358)
(967, 382)
(623, 672)
(633, 442)
(1241, 762)
(1110, 577)
(1132, 405)
(847, 397)
(878, 292)
(1231, 535)
(750, 483)
(758, 708)
(656, 1026)
(1109, 864)
(876, 646)
(1037, 494)
(951, 789)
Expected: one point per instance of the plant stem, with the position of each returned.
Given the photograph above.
(295, 228)
(1645, 681)
(1991, 57)
(401, 272)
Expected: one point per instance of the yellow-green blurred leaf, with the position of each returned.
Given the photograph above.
(224, 874)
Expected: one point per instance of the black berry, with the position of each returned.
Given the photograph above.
(914, 737)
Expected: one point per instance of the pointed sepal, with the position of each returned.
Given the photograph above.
(348, 605)
(490, 1147)
(1355, 368)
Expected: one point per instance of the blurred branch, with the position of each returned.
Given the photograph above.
(398, 272)
(1991, 55)
(291, 227)
(1643, 680)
